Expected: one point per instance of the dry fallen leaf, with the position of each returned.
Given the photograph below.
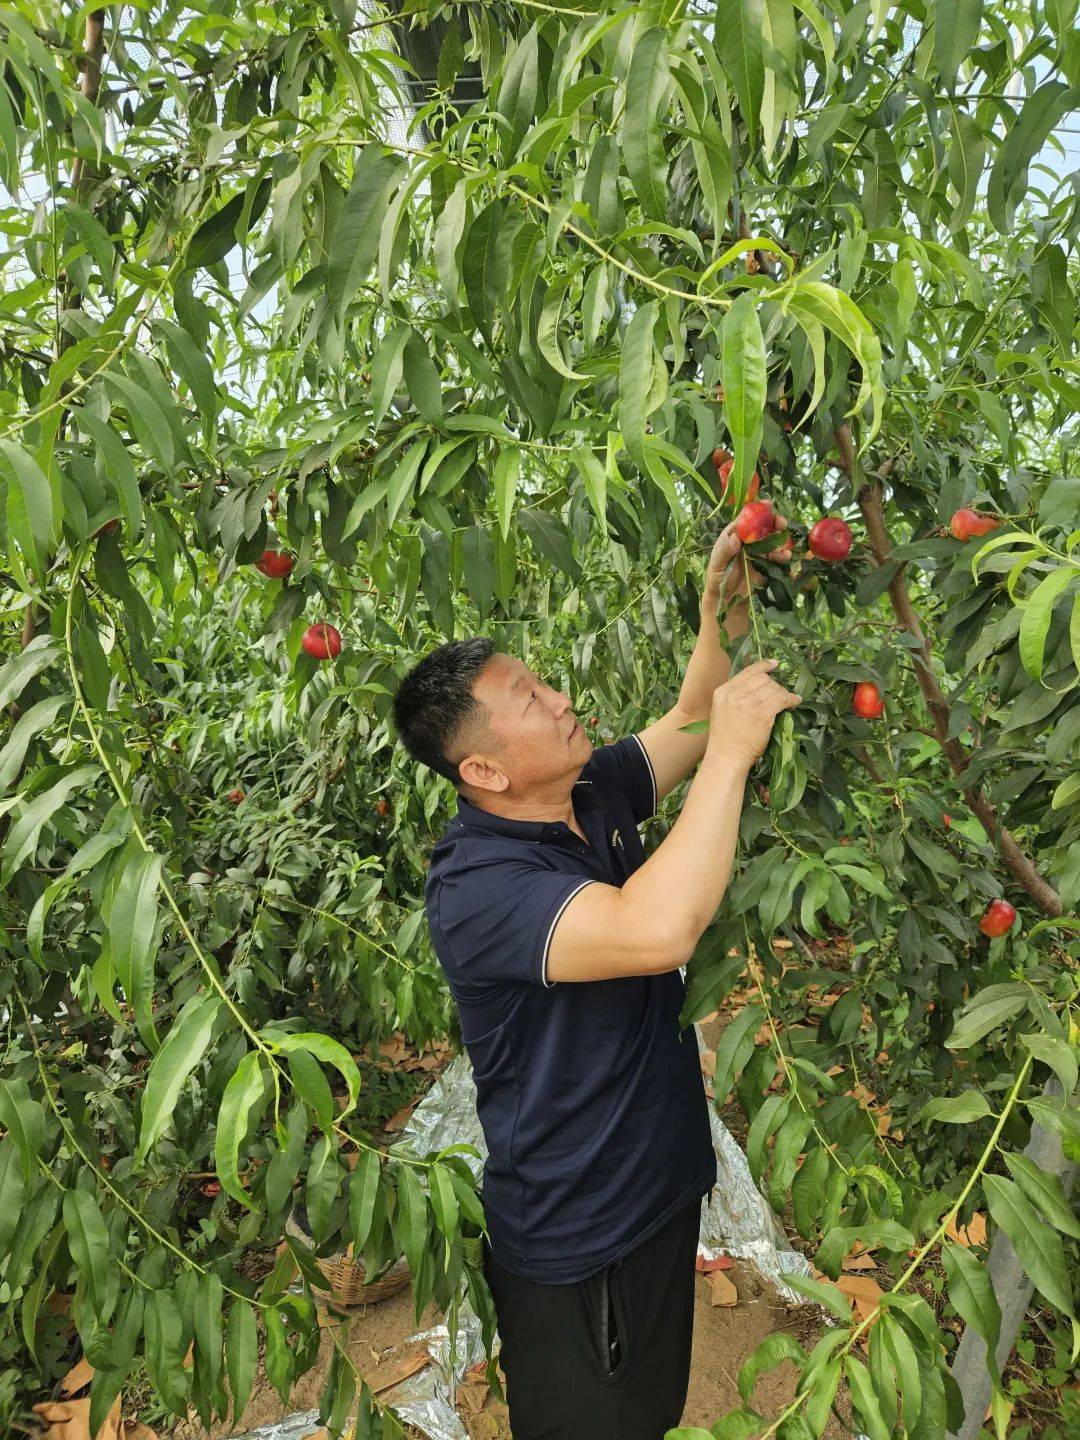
(862, 1094)
(70, 1420)
(397, 1368)
(863, 1293)
(707, 1060)
(706, 1267)
(77, 1378)
(721, 1290)
(974, 1233)
(399, 1117)
(865, 1261)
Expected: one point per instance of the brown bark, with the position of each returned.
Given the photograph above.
(89, 85)
(870, 501)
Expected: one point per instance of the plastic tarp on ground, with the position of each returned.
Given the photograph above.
(737, 1221)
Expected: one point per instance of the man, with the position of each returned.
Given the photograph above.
(562, 946)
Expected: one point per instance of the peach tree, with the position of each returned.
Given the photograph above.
(430, 320)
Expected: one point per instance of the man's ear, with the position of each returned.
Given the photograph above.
(480, 774)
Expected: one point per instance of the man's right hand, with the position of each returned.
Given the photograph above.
(744, 709)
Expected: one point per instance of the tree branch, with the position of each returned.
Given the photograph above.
(870, 501)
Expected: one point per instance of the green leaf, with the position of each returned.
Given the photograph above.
(734, 1048)
(516, 98)
(216, 236)
(326, 1049)
(823, 1292)
(443, 1201)
(740, 1424)
(1056, 1116)
(241, 1355)
(245, 1090)
(363, 1189)
(182, 1050)
(312, 1086)
(1037, 1246)
(449, 229)
(1046, 1192)
(133, 938)
(956, 28)
(321, 1190)
(647, 88)
(1008, 182)
(355, 239)
(12, 1190)
(985, 1012)
(88, 1241)
(770, 1353)
(840, 315)
(808, 1191)
(23, 836)
(821, 1396)
(192, 366)
(957, 1109)
(972, 1295)
(636, 367)
(550, 327)
(410, 1218)
(278, 1359)
(744, 377)
(119, 466)
(17, 673)
(33, 509)
(739, 42)
(905, 1364)
(864, 1399)
(96, 239)
(386, 368)
(422, 379)
(505, 481)
(206, 1315)
(24, 1120)
(1035, 619)
(148, 420)
(35, 1292)
(1057, 1055)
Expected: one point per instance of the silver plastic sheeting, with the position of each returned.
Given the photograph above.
(293, 1427)
(737, 1221)
(426, 1399)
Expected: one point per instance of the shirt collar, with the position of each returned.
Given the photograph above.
(475, 818)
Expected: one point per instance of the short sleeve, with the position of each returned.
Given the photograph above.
(493, 922)
(625, 766)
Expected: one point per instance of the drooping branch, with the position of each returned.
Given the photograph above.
(869, 498)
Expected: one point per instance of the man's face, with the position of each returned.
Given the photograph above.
(535, 737)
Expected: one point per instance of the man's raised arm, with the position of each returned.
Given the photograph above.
(653, 923)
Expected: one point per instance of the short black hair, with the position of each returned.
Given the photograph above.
(435, 704)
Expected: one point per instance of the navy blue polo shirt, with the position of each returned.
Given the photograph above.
(591, 1100)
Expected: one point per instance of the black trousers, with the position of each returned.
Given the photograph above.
(607, 1358)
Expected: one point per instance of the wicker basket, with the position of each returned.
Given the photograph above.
(347, 1275)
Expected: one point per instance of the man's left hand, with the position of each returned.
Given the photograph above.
(726, 573)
